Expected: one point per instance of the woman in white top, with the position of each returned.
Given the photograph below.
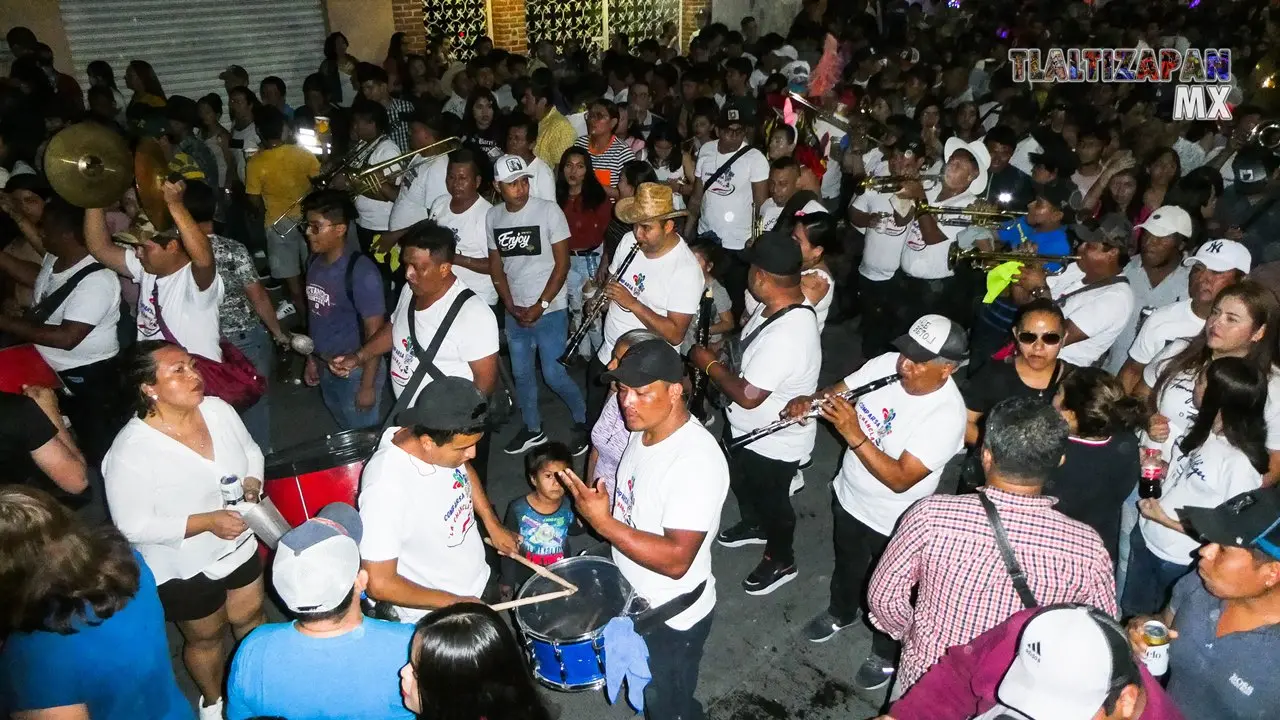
(815, 232)
(1222, 455)
(163, 480)
(671, 164)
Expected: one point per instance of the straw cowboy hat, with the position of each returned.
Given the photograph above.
(652, 201)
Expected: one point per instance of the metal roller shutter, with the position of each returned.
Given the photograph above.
(189, 42)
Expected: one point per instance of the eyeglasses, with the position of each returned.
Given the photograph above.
(1049, 338)
(316, 227)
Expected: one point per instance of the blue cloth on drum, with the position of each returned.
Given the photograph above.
(626, 657)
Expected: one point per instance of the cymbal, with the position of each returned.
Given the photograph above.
(151, 167)
(89, 165)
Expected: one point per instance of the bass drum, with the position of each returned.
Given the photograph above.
(304, 478)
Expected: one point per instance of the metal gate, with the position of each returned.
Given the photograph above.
(593, 22)
(640, 19)
(461, 20)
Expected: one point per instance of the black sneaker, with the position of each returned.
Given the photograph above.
(875, 674)
(524, 440)
(741, 534)
(768, 576)
(824, 626)
(581, 439)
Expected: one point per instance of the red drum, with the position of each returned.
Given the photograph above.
(304, 478)
(22, 365)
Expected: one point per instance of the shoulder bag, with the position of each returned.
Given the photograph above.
(1016, 574)
(234, 380)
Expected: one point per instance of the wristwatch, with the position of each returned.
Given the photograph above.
(544, 304)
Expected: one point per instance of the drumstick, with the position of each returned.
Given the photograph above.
(532, 600)
(536, 568)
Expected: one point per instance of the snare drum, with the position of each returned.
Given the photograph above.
(565, 637)
(304, 478)
(22, 365)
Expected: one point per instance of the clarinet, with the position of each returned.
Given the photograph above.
(590, 314)
(815, 410)
(699, 380)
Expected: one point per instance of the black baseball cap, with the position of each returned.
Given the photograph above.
(647, 362)
(446, 404)
(1249, 520)
(730, 116)
(1055, 161)
(1063, 194)
(777, 253)
(1111, 230)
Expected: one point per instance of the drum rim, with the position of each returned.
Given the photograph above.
(586, 636)
(355, 453)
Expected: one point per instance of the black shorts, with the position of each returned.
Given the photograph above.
(200, 596)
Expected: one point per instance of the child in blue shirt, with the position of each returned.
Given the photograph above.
(543, 518)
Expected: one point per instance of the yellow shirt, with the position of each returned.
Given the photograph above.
(281, 175)
(555, 135)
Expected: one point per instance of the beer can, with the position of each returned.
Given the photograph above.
(1156, 657)
(232, 490)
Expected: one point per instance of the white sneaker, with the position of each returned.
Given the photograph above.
(797, 482)
(285, 309)
(213, 712)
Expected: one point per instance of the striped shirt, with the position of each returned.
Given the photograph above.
(608, 164)
(945, 547)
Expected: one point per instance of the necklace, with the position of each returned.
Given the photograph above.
(200, 444)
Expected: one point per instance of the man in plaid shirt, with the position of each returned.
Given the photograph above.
(373, 86)
(945, 547)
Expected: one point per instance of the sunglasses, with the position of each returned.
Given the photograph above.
(1049, 338)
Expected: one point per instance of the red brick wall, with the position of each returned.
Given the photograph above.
(406, 16)
(509, 28)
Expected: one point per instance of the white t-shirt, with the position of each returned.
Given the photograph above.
(930, 427)
(543, 183)
(728, 204)
(679, 483)
(1022, 153)
(473, 336)
(883, 241)
(671, 283)
(1163, 326)
(374, 214)
(472, 242)
(783, 359)
(422, 184)
(95, 301)
(770, 211)
(929, 262)
(1176, 402)
(1205, 477)
(421, 515)
(523, 240)
(190, 314)
(1101, 313)
(248, 136)
(829, 136)
(154, 483)
(578, 121)
(1173, 288)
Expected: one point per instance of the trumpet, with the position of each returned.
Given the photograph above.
(1266, 134)
(892, 183)
(815, 410)
(590, 313)
(986, 260)
(979, 213)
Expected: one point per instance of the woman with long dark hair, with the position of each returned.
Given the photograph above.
(396, 64)
(673, 166)
(1100, 467)
(145, 111)
(1223, 454)
(465, 664)
(588, 211)
(101, 75)
(484, 130)
(84, 634)
(337, 64)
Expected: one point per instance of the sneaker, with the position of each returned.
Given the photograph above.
(581, 441)
(524, 440)
(285, 309)
(769, 576)
(875, 674)
(212, 712)
(797, 483)
(741, 534)
(823, 627)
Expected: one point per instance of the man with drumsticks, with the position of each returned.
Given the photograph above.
(899, 439)
(661, 287)
(672, 482)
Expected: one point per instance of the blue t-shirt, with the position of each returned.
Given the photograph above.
(999, 314)
(279, 671)
(334, 323)
(120, 668)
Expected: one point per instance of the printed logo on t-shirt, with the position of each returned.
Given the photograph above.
(876, 424)
(147, 323)
(624, 500)
(543, 538)
(403, 362)
(319, 300)
(460, 516)
(518, 241)
(724, 185)
(914, 239)
(634, 285)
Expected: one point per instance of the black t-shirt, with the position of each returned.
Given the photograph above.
(1092, 483)
(23, 429)
(996, 381)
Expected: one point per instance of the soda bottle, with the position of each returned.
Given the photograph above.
(1152, 473)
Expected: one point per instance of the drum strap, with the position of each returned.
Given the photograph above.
(426, 358)
(649, 620)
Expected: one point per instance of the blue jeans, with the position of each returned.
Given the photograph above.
(256, 345)
(339, 395)
(1128, 521)
(545, 340)
(581, 269)
(1150, 578)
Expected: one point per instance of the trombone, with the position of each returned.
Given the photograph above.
(986, 260)
(1266, 135)
(893, 183)
(355, 157)
(367, 181)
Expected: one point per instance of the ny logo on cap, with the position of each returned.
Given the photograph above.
(1214, 247)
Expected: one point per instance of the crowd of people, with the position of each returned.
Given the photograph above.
(662, 236)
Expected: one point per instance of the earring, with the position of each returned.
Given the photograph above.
(154, 397)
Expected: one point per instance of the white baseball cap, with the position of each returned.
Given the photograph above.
(317, 562)
(1167, 220)
(932, 337)
(1222, 255)
(1065, 667)
(510, 168)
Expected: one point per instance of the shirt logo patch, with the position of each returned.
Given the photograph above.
(518, 241)
(624, 500)
(1239, 683)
